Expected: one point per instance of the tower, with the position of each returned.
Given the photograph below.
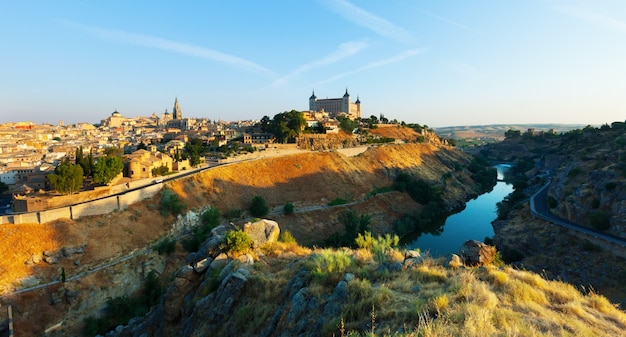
(312, 100)
(177, 113)
(345, 102)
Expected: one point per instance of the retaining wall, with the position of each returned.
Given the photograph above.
(136, 196)
(26, 218)
(96, 207)
(54, 214)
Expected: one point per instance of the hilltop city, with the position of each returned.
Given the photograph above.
(149, 145)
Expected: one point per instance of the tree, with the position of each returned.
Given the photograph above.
(107, 168)
(86, 163)
(3, 187)
(142, 146)
(113, 151)
(512, 133)
(67, 178)
(346, 124)
(285, 126)
(258, 207)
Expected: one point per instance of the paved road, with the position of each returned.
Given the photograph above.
(539, 207)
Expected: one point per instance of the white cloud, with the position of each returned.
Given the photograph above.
(454, 23)
(344, 51)
(363, 18)
(172, 46)
(376, 64)
(593, 17)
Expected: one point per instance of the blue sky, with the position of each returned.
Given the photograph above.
(439, 63)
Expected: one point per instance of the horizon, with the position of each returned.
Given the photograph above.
(436, 64)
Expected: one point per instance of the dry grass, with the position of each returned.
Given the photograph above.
(436, 301)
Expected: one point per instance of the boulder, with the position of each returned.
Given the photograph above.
(455, 261)
(200, 266)
(476, 253)
(246, 259)
(262, 231)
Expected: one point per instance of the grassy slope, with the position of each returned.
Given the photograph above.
(429, 300)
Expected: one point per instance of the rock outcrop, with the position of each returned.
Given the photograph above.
(476, 253)
(262, 231)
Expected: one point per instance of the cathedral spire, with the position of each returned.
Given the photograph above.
(177, 113)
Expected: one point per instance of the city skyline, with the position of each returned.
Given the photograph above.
(539, 61)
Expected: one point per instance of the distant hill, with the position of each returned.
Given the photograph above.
(472, 135)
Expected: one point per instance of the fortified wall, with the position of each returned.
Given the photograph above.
(105, 205)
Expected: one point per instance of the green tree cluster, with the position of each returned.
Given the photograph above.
(259, 208)
(67, 178)
(285, 126)
(171, 203)
(85, 162)
(354, 224)
(107, 168)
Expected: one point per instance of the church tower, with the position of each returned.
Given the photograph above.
(312, 100)
(345, 103)
(177, 114)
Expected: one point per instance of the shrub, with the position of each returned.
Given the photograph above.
(595, 203)
(330, 262)
(286, 237)
(165, 246)
(237, 242)
(552, 203)
(171, 203)
(288, 208)
(379, 246)
(600, 220)
(610, 186)
(233, 213)
(211, 217)
(259, 207)
(337, 201)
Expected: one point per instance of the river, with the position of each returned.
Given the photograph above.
(472, 223)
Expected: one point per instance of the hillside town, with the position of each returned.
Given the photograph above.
(149, 146)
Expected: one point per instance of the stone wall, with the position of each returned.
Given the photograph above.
(130, 198)
(89, 208)
(55, 214)
(96, 207)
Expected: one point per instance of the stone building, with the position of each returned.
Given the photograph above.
(336, 106)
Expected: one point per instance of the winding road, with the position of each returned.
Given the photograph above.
(539, 208)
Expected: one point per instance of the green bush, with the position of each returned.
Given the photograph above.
(171, 203)
(237, 242)
(552, 203)
(286, 237)
(337, 202)
(330, 262)
(380, 246)
(165, 246)
(600, 220)
(289, 208)
(259, 207)
(233, 213)
(610, 186)
(211, 217)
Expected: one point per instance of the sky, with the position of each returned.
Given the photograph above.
(438, 63)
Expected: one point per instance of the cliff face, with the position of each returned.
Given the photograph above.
(588, 169)
(588, 186)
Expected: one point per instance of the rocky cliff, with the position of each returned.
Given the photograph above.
(282, 289)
